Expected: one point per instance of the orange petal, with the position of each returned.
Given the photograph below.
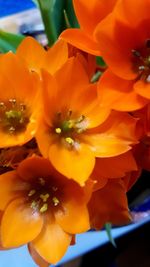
(44, 138)
(11, 66)
(73, 204)
(36, 257)
(67, 220)
(142, 88)
(75, 164)
(114, 167)
(52, 242)
(11, 187)
(134, 12)
(32, 52)
(70, 82)
(131, 178)
(90, 13)
(34, 167)
(109, 37)
(56, 56)
(114, 136)
(105, 145)
(20, 224)
(109, 204)
(81, 40)
(118, 94)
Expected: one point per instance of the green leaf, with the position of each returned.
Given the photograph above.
(58, 15)
(71, 14)
(100, 62)
(9, 41)
(46, 8)
(108, 231)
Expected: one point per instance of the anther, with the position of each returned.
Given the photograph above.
(32, 192)
(135, 53)
(41, 181)
(34, 205)
(69, 140)
(22, 107)
(58, 130)
(55, 201)
(44, 208)
(54, 188)
(44, 197)
(141, 67)
(13, 102)
(2, 105)
(12, 129)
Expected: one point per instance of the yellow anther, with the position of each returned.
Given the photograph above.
(44, 208)
(42, 181)
(34, 205)
(70, 124)
(31, 193)
(58, 130)
(55, 201)
(44, 197)
(69, 140)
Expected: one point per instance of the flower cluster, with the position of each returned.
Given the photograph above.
(71, 146)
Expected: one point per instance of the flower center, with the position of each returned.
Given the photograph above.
(141, 61)
(14, 116)
(42, 196)
(69, 126)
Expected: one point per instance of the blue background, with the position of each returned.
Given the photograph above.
(9, 7)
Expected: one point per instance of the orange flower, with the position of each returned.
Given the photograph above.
(89, 14)
(109, 204)
(19, 94)
(73, 129)
(43, 208)
(37, 58)
(124, 41)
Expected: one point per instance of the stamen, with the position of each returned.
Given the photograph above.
(55, 201)
(22, 106)
(13, 102)
(69, 140)
(69, 113)
(141, 67)
(58, 130)
(81, 119)
(67, 125)
(2, 105)
(12, 129)
(32, 192)
(41, 181)
(135, 53)
(34, 205)
(54, 188)
(44, 197)
(44, 208)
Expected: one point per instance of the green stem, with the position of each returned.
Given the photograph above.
(46, 9)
